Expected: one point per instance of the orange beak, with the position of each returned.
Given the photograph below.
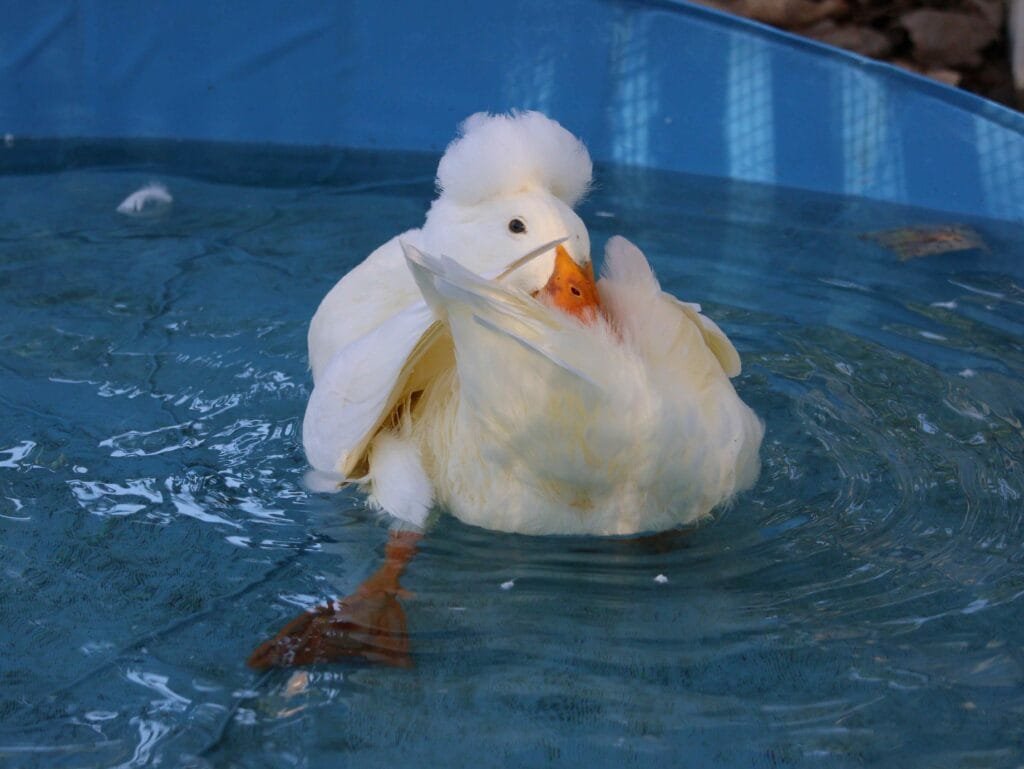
(571, 288)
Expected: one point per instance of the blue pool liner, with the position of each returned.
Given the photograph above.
(655, 84)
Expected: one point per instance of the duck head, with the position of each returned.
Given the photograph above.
(507, 186)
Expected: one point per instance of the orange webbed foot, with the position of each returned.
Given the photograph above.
(369, 624)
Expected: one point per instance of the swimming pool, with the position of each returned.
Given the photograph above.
(859, 605)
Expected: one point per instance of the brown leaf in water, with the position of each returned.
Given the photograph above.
(913, 242)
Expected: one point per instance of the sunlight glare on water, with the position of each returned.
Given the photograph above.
(860, 605)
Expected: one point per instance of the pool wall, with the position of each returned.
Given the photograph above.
(656, 84)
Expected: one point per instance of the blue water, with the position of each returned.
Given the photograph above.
(860, 606)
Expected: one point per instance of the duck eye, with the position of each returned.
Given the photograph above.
(518, 226)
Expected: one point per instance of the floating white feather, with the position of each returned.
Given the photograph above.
(150, 200)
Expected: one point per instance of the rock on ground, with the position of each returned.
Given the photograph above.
(962, 43)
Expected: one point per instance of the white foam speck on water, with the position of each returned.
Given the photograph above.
(508, 585)
(661, 579)
(100, 715)
(950, 305)
(933, 336)
(974, 606)
(926, 426)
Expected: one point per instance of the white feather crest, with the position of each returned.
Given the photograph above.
(495, 154)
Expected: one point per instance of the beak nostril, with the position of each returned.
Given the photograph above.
(571, 288)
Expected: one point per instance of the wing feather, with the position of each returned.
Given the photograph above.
(626, 265)
(363, 383)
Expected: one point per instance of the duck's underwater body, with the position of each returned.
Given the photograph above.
(499, 383)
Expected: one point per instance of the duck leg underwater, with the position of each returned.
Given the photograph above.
(369, 624)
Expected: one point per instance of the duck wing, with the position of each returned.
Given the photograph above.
(369, 295)
(365, 382)
(380, 332)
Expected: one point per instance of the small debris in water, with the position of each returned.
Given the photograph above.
(604, 214)
(297, 684)
(661, 579)
(913, 242)
(150, 200)
(967, 373)
(975, 606)
(100, 715)
(508, 585)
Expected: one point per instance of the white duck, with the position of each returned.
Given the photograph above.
(506, 187)
(527, 400)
